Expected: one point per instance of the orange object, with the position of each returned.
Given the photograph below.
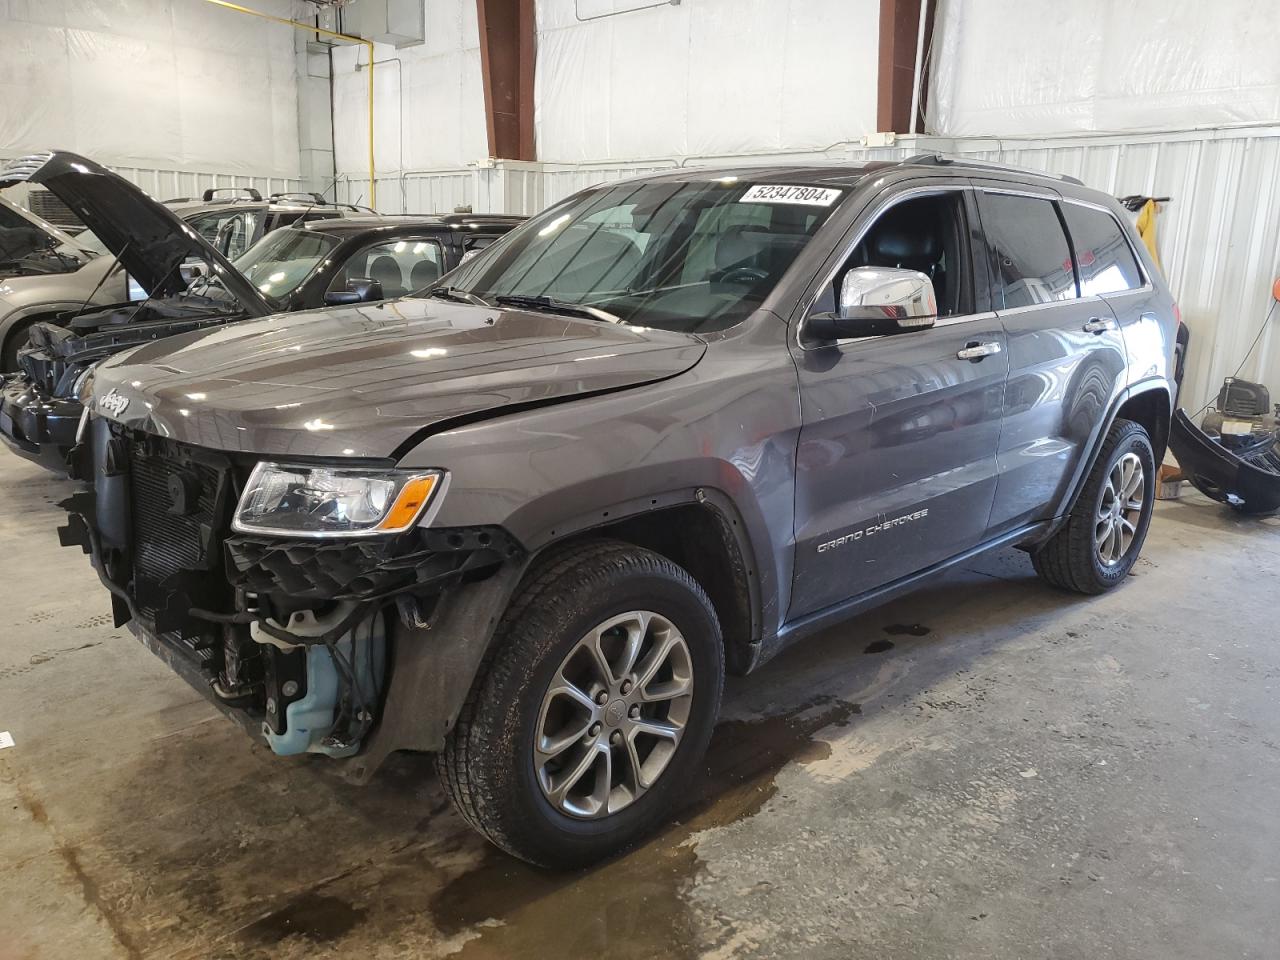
(1275, 289)
(409, 504)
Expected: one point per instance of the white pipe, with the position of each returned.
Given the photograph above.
(915, 83)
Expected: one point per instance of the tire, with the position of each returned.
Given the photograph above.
(489, 766)
(1073, 559)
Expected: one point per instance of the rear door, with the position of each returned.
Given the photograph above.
(1066, 354)
(1109, 268)
(896, 465)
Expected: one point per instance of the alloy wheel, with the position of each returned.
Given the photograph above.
(1119, 510)
(613, 715)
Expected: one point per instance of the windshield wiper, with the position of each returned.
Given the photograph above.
(551, 305)
(456, 294)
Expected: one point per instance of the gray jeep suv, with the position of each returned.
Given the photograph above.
(528, 518)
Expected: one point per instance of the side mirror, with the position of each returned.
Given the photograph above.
(359, 290)
(875, 301)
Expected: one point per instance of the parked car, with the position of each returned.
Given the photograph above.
(31, 246)
(335, 259)
(93, 281)
(528, 518)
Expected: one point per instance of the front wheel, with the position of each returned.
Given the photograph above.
(1100, 542)
(594, 709)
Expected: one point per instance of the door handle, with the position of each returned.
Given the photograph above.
(1099, 325)
(975, 351)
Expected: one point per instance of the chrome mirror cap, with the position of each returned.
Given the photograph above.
(905, 297)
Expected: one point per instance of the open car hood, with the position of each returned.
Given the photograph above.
(370, 381)
(149, 240)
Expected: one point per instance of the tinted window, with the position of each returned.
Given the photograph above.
(401, 266)
(926, 234)
(1030, 259)
(1103, 256)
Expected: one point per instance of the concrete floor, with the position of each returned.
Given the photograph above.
(985, 769)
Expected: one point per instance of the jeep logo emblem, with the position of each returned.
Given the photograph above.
(614, 713)
(114, 403)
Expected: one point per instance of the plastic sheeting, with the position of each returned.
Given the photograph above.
(150, 84)
(1035, 67)
(623, 79)
(428, 100)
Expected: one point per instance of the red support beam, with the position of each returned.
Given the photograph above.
(507, 52)
(899, 30)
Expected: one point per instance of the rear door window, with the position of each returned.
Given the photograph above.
(1030, 258)
(1104, 258)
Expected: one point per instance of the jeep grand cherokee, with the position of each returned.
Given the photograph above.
(528, 519)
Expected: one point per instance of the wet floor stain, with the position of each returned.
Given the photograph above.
(907, 630)
(878, 646)
(314, 916)
(634, 906)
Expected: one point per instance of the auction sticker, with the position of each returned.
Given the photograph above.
(777, 193)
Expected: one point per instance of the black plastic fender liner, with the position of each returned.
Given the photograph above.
(433, 668)
(1218, 473)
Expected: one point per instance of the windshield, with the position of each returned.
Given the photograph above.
(692, 257)
(279, 262)
(23, 238)
(85, 245)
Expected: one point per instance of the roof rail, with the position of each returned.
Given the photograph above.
(208, 195)
(939, 159)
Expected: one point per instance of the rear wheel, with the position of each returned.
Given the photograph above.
(1101, 540)
(593, 711)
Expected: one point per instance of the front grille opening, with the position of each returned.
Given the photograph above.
(173, 509)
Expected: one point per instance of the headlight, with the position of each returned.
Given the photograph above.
(83, 386)
(294, 500)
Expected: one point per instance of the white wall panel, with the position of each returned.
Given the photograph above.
(702, 78)
(428, 99)
(151, 84)
(1035, 67)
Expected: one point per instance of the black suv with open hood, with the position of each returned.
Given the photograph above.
(190, 285)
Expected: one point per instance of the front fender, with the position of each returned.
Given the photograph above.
(728, 427)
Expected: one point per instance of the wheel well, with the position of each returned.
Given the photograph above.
(700, 539)
(21, 324)
(1150, 409)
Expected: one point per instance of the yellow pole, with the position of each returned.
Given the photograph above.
(373, 183)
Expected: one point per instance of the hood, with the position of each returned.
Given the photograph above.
(149, 240)
(370, 380)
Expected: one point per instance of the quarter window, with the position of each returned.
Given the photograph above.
(1030, 259)
(1104, 258)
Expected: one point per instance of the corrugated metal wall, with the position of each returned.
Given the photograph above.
(167, 184)
(1219, 235)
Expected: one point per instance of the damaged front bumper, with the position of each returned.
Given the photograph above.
(353, 649)
(35, 425)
